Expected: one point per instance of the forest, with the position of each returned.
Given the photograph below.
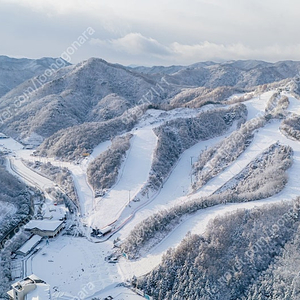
(262, 178)
(174, 137)
(103, 171)
(240, 256)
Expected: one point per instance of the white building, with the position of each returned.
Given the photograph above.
(29, 245)
(30, 288)
(46, 228)
(53, 212)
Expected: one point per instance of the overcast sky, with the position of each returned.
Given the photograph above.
(156, 32)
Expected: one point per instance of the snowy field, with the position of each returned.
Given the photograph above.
(70, 264)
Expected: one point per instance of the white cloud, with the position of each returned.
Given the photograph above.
(153, 32)
(135, 44)
(217, 52)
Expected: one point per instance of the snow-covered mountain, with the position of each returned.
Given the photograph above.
(91, 91)
(15, 71)
(235, 73)
(36, 106)
(143, 158)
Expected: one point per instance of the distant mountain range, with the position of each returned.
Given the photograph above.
(97, 91)
(14, 71)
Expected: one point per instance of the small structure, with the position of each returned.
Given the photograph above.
(53, 212)
(46, 228)
(31, 287)
(98, 233)
(3, 136)
(99, 193)
(104, 230)
(28, 147)
(29, 245)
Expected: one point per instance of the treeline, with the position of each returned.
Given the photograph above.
(236, 258)
(281, 280)
(276, 106)
(291, 127)
(72, 142)
(215, 159)
(17, 194)
(262, 178)
(200, 96)
(103, 171)
(175, 136)
(61, 176)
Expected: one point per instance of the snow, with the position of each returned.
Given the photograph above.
(46, 225)
(294, 105)
(96, 152)
(41, 292)
(256, 106)
(84, 190)
(10, 144)
(133, 175)
(71, 263)
(197, 222)
(32, 178)
(53, 212)
(32, 242)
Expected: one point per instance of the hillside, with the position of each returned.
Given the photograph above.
(181, 181)
(91, 91)
(97, 91)
(14, 72)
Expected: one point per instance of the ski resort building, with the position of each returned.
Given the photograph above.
(30, 288)
(29, 245)
(47, 228)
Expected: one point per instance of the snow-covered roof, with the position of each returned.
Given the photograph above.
(45, 225)
(54, 212)
(41, 292)
(30, 244)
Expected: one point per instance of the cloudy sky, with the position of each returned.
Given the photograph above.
(156, 32)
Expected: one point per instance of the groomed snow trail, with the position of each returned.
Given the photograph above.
(70, 263)
(133, 175)
(197, 222)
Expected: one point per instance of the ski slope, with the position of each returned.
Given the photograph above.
(197, 222)
(70, 263)
(133, 175)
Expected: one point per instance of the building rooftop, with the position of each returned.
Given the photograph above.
(41, 292)
(41, 288)
(44, 225)
(53, 212)
(30, 244)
